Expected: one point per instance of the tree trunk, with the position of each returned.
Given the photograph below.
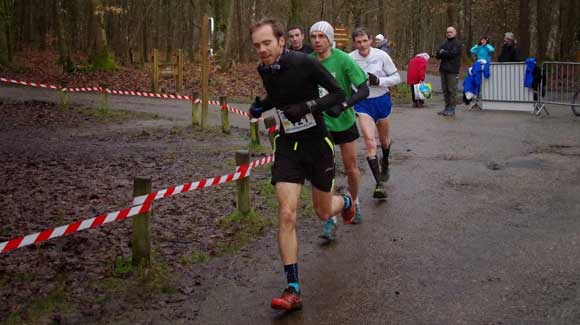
(63, 48)
(553, 36)
(533, 28)
(467, 25)
(101, 58)
(381, 17)
(6, 31)
(229, 36)
(523, 28)
(295, 13)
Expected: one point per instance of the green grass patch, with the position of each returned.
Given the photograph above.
(107, 115)
(401, 93)
(267, 191)
(260, 149)
(196, 256)
(246, 228)
(39, 309)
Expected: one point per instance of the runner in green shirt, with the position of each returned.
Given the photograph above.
(343, 128)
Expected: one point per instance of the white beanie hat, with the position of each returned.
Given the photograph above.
(380, 37)
(326, 28)
(424, 56)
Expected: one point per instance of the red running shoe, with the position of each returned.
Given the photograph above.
(290, 300)
(348, 215)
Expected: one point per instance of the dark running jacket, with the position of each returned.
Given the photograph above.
(450, 56)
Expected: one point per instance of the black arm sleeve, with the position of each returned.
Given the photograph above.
(361, 93)
(322, 77)
(267, 104)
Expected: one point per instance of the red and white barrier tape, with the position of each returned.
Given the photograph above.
(123, 92)
(100, 89)
(241, 172)
(27, 83)
(82, 89)
(145, 94)
(235, 110)
(141, 204)
(73, 227)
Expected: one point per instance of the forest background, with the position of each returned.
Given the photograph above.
(112, 34)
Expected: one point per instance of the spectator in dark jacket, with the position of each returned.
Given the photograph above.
(509, 51)
(382, 44)
(450, 55)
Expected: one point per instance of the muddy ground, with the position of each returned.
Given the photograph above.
(63, 165)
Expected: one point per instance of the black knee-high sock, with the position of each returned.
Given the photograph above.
(374, 165)
(386, 152)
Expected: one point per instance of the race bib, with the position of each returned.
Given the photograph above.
(306, 122)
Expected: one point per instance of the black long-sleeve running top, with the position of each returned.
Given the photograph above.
(294, 79)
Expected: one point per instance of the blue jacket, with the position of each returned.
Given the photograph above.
(474, 78)
(529, 75)
(483, 51)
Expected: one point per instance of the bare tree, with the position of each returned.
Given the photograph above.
(553, 36)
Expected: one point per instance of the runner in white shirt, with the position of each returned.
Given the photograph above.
(376, 109)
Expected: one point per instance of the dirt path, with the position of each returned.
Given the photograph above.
(480, 227)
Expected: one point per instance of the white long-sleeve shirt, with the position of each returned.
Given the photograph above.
(381, 65)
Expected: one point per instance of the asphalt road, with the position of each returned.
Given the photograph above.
(482, 226)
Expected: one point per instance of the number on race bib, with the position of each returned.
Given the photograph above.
(306, 122)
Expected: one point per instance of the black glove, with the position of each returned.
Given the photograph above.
(335, 110)
(295, 112)
(256, 109)
(373, 80)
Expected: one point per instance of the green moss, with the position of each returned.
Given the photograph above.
(122, 267)
(40, 308)
(246, 228)
(196, 256)
(267, 191)
(102, 60)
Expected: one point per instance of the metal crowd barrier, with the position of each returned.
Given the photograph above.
(560, 86)
(506, 86)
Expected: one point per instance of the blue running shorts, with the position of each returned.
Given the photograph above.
(378, 107)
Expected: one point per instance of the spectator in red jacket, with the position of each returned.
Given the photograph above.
(416, 74)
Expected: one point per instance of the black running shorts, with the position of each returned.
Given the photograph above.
(311, 159)
(346, 136)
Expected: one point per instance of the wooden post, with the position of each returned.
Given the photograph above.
(204, 70)
(195, 106)
(243, 185)
(104, 106)
(64, 99)
(63, 96)
(225, 115)
(155, 71)
(254, 132)
(141, 239)
(179, 82)
(269, 122)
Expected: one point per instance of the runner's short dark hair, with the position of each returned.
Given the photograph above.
(360, 31)
(277, 26)
(295, 27)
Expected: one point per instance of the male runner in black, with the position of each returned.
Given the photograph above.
(303, 149)
(296, 38)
